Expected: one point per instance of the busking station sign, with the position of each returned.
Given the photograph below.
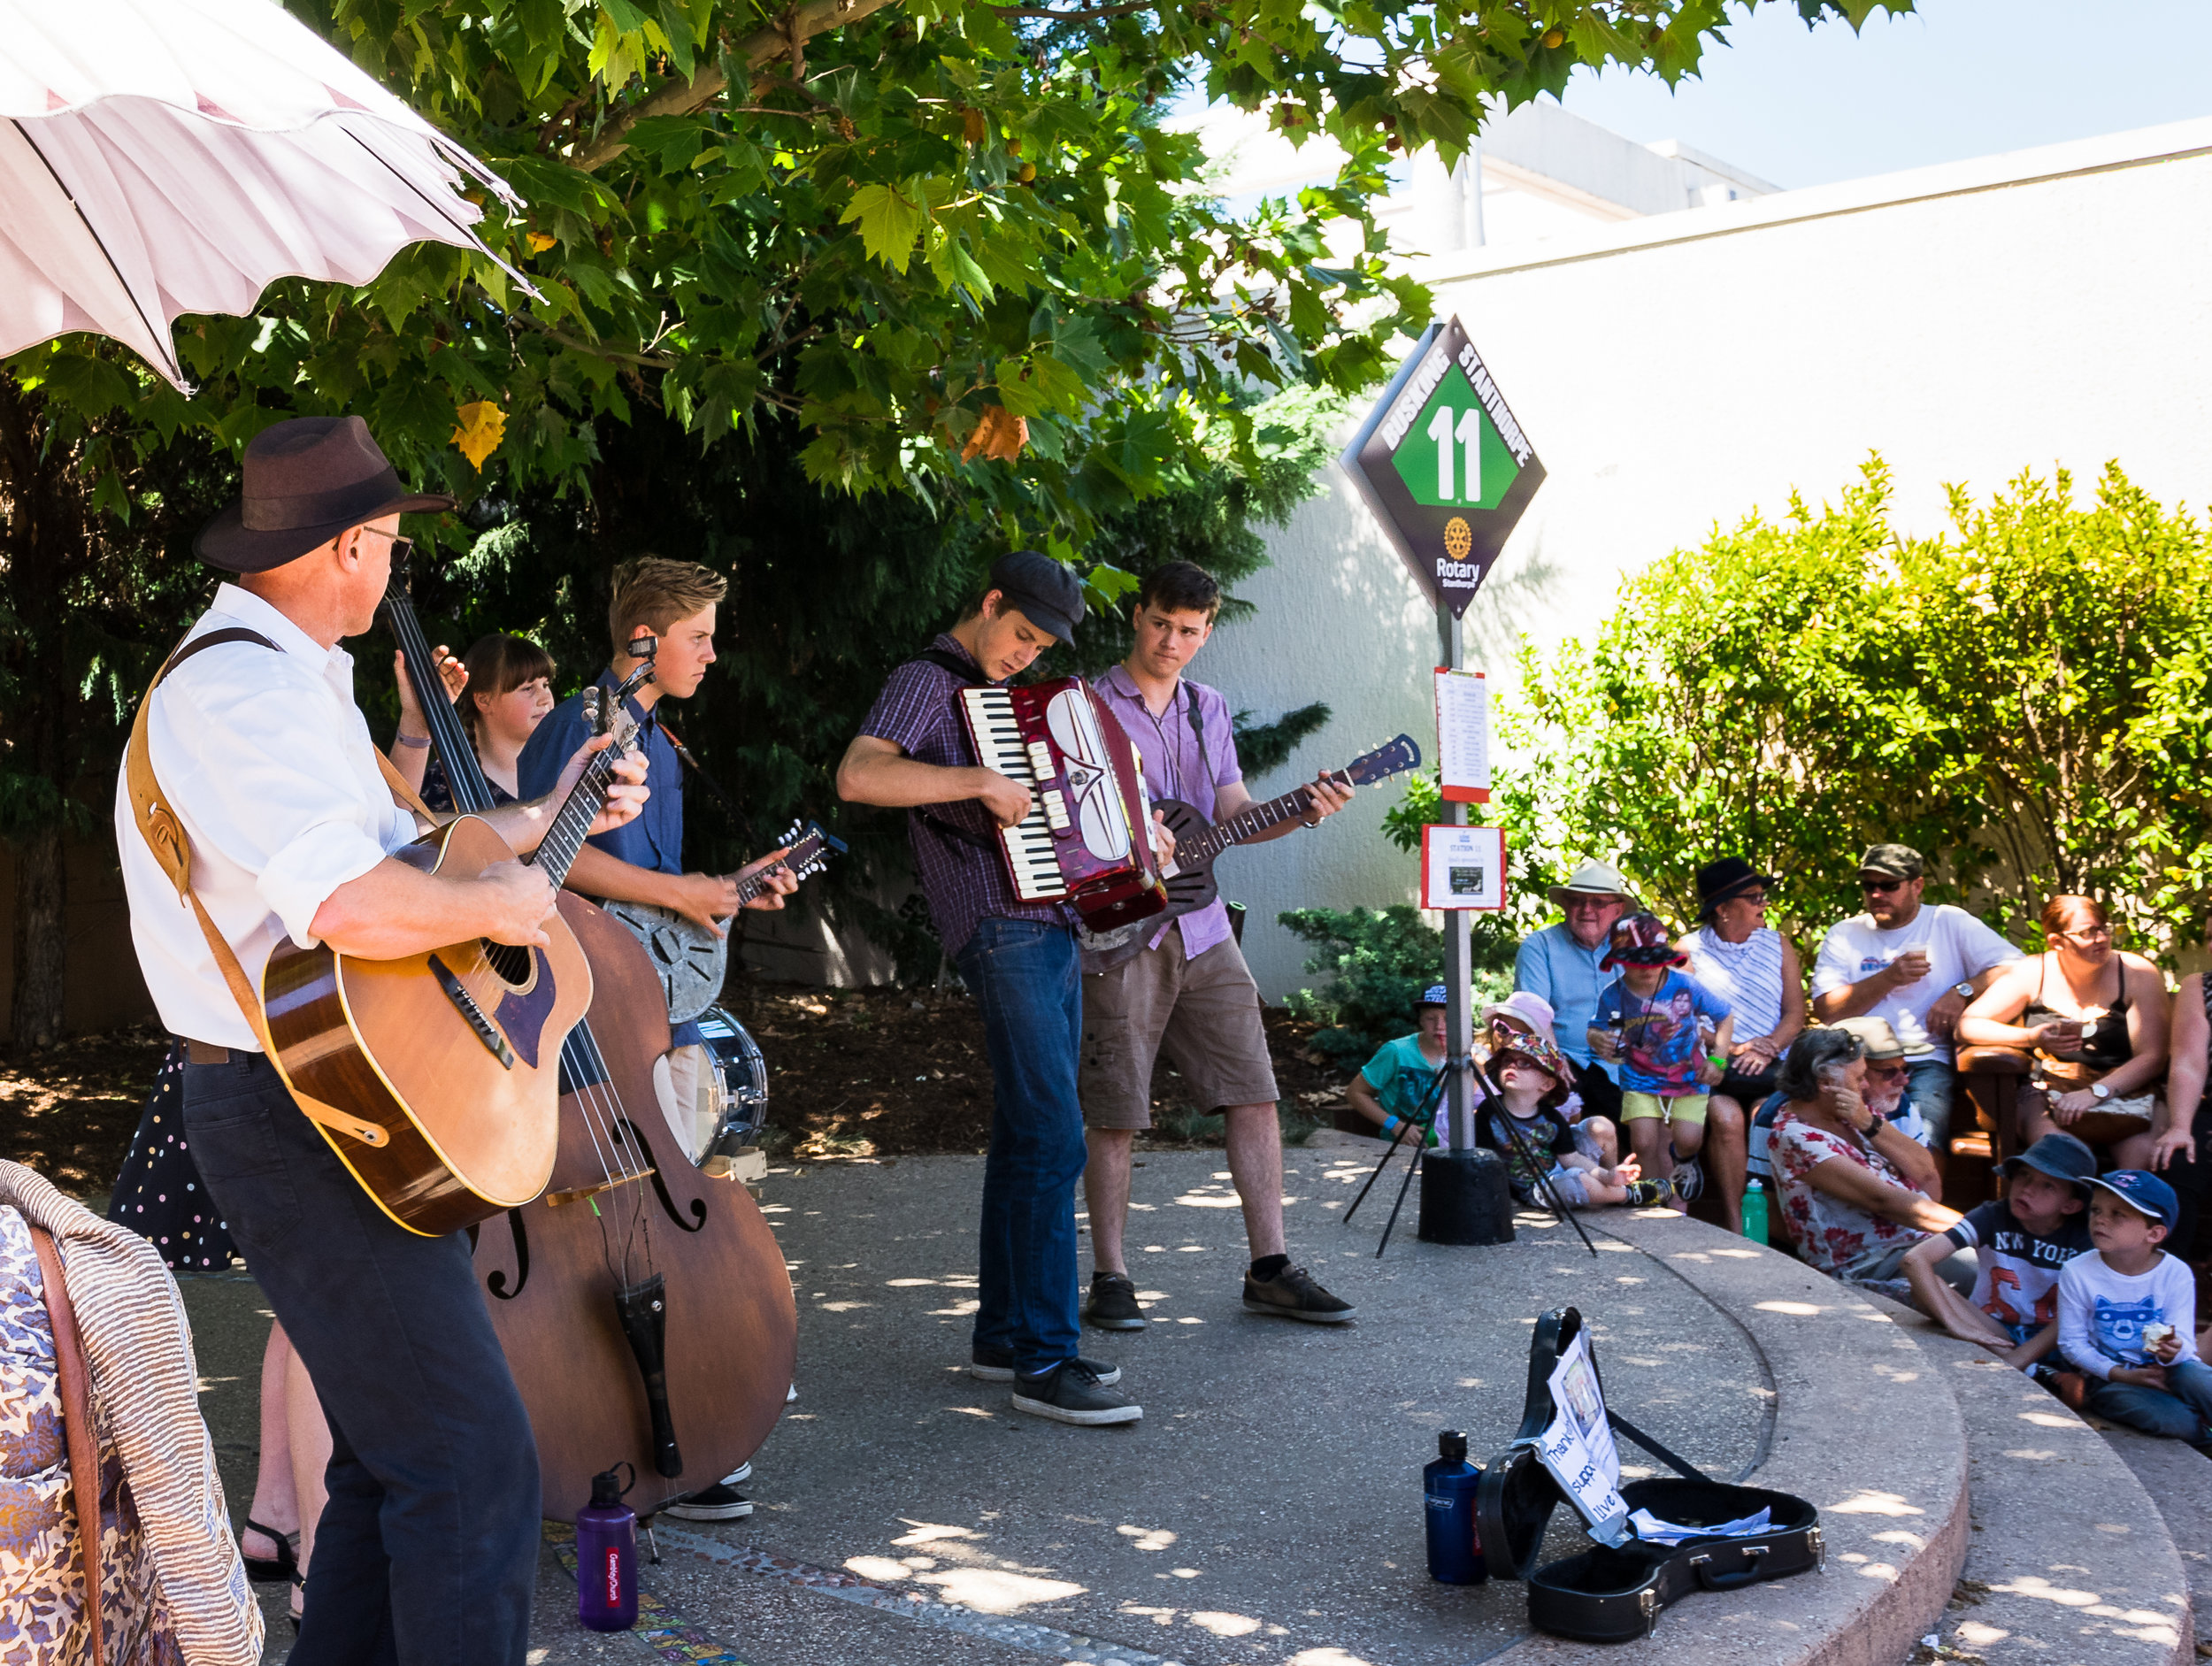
(1444, 466)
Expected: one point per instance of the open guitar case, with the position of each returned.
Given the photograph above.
(1615, 1593)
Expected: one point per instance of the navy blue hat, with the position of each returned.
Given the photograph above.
(1046, 592)
(2142, 1192)
(2060, 1155)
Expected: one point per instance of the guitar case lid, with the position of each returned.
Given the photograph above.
(1515, 1497)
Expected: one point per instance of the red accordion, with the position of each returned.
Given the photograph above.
(1088, 837)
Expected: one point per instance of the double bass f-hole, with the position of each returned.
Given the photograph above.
(495, 1280)
(698, 1217)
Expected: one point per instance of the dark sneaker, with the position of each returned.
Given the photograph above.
(1113, 1303)
(1646, 1194)
(720, 1502)
(996, 1365)
(1689, 1178)
(1072, 1392)
(1293, 1294)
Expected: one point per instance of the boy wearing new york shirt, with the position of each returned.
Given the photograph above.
(2022, 1242)
(2127, 1313)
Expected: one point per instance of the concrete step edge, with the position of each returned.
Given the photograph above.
(1862, 1427)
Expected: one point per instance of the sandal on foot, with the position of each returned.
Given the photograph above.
(276, 1570)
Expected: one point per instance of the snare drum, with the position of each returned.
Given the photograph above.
(735, 1089)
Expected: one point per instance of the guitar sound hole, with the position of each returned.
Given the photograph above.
(510, 962)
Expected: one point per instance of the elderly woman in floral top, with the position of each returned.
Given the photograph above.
(1858, 1191)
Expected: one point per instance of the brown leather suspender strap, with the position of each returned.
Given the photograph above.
(172, 845)
(77, 1431)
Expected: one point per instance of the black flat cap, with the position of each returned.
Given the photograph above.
(1045, 592)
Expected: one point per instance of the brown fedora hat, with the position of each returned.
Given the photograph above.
(307, 480)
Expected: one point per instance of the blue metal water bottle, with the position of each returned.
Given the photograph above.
(1448, 1488)
(606, 1557)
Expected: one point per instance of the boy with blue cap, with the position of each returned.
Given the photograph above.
(2127, 1313)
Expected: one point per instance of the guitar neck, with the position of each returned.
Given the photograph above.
(1249, 823)
(556, 851)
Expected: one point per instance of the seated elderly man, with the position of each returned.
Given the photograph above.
(1857, 1191)
(1915, 964)
(1561, 965)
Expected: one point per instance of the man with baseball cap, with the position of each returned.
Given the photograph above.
(1018, 959)
(1916, 966)
(430, 1538)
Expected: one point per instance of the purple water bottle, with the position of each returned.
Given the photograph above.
(606, 1556)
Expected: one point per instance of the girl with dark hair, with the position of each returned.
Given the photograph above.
(1857, 1190)
(501, 691)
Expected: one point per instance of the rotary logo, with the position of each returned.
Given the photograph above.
(1458, 539)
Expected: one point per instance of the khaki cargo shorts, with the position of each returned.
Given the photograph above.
(1204, 1013)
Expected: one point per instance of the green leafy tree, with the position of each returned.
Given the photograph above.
(1379, 962)
(952, 243)
(2023, 697)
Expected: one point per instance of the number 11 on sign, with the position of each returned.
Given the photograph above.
(1468, 434)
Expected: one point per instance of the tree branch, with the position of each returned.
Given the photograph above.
(765, 45)
(1049, 15)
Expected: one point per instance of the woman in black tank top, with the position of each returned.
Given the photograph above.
(2095, 1018)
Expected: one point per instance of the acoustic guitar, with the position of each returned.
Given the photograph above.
(1199, 843)
(453, 1054)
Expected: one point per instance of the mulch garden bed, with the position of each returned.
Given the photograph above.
(854, 1073)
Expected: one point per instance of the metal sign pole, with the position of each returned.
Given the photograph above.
(1459, 1012)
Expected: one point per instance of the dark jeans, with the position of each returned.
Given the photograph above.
(427, 1551)
(2180, 1411)
(1932, 1082)
(1025, 976)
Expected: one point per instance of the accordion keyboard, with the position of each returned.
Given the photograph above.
(1031, 852)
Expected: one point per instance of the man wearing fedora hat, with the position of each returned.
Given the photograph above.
(1560, 964)
(427, 1549)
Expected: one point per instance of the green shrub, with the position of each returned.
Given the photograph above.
(1381, 961)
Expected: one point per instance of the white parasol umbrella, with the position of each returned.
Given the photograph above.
(165, 156)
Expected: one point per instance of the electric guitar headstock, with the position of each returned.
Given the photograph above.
(1393, 757)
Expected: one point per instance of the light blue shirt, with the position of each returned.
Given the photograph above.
(1553, 964)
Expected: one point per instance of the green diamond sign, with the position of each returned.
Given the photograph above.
(1444, 466)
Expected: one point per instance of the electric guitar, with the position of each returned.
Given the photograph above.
(449, 1060)
(691, 961)
(1190, 879)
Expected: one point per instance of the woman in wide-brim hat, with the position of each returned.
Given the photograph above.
(1737, 954)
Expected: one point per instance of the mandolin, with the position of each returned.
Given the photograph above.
(453, 1055)
(1198, 843)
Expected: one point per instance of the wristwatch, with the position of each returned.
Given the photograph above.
(2100, 1090)
(1964, 990)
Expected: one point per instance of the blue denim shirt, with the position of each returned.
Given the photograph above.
(655, 839)
(1553, 964)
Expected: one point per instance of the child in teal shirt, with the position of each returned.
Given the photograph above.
(1394, 1086)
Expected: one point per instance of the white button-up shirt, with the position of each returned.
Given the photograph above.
(268, 764)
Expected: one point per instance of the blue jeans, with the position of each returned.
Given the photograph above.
(1025, 976)
(427, 1552)
(1930, 1082)
(2180, 1411)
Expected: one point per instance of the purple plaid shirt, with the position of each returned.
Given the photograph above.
(1177, 764)
(965, 878)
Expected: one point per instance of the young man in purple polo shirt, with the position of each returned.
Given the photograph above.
(1189, 991)
(1018, 960)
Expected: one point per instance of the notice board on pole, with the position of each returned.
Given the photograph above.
(1463, 868)
(1463, 735)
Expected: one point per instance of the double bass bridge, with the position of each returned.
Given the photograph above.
(577, 1193)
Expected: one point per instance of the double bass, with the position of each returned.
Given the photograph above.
(644, 1306)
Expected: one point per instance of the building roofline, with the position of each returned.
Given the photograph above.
(2175, 142)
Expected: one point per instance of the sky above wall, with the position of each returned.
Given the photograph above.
(1959, 77)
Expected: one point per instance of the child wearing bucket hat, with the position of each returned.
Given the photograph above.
(2127, 1313)
(1665, 1030)
(1526, 1125)
(1392, 1087)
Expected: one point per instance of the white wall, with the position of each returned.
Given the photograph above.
(1967, 321)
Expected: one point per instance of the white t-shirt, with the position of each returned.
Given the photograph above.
(2101, 1313)
(1958, 945)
